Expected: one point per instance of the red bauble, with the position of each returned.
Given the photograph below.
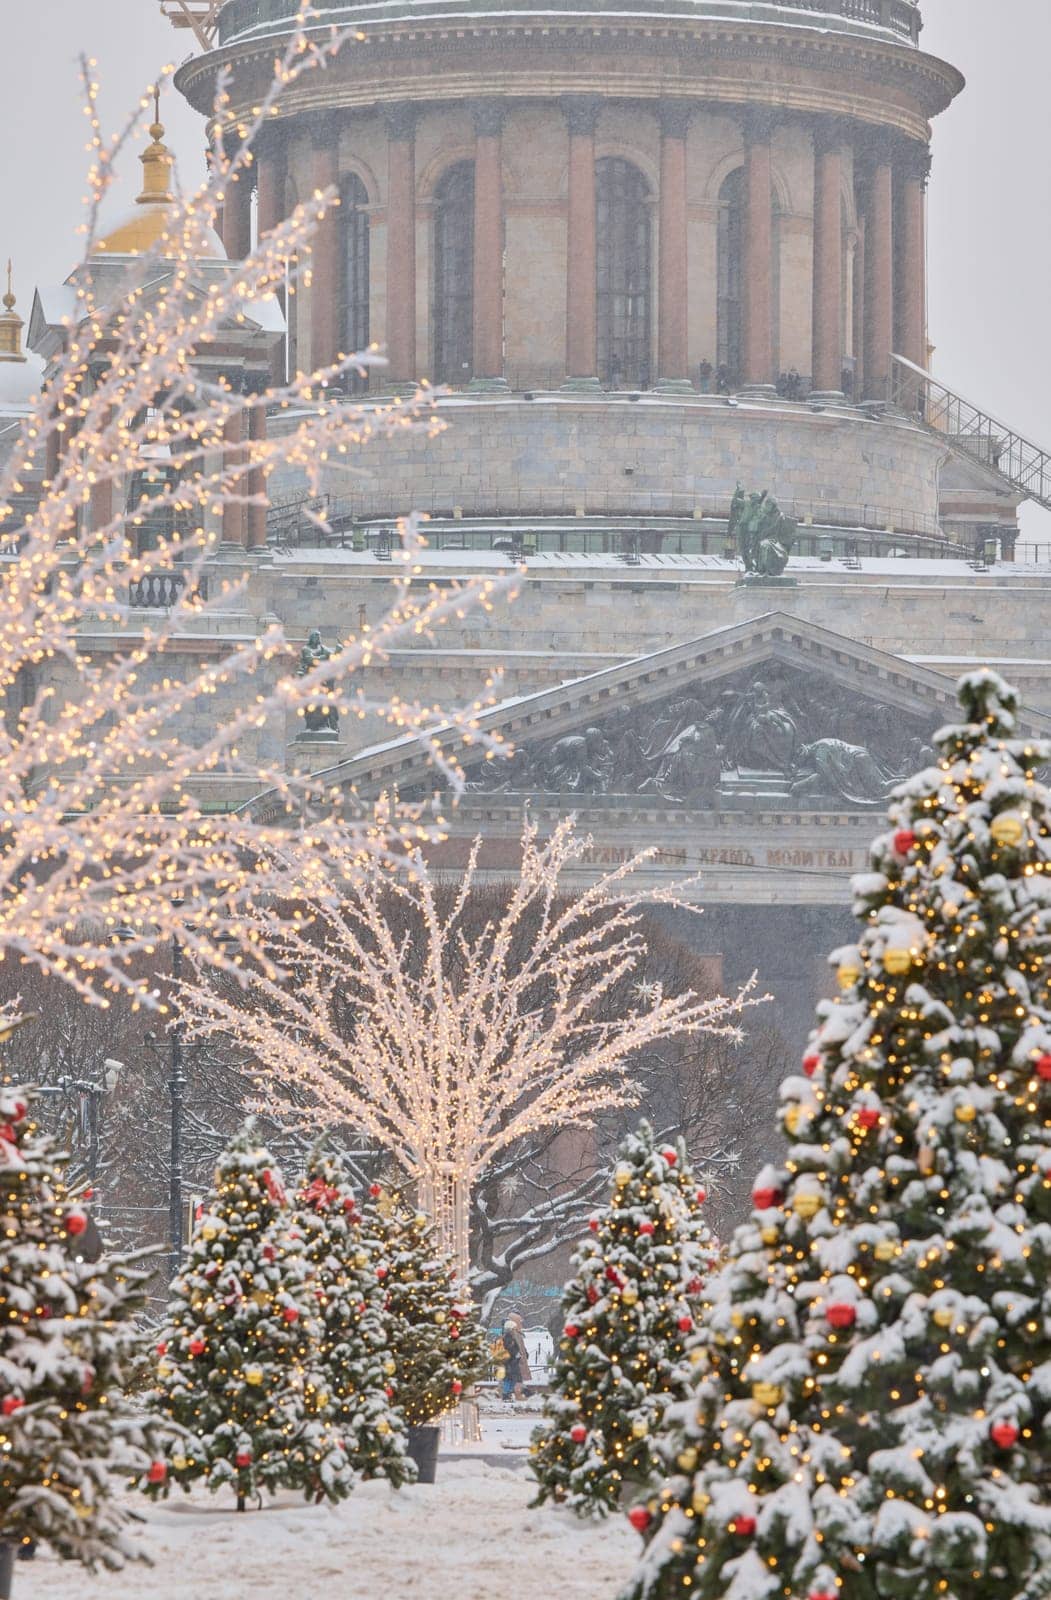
(702, 1195)
(162, 1348)
(868, 1118)
(269, 1253)
(1003, 1435)
(457, 1386)
(578, 1433)
(375, 1191)
(389, 1391)
(904, 840)
(593, 1224)
(243, 1458)
(1043, 1067)
(811, 1063)
(670, 1156)
(290, 1314)
(89, 1194)
(381, 1273)
(19, 1111)
(763, 1199)
(695, 1286)
(592, 1294)
(197, 1347)
(823, 1594)
(745, 1526)
(571, 1330)
(10, 1404)
(76, 1223)
(647, 1227)
(685, 1324)
(840, 1314)
(156, 1472)
(639, 1518)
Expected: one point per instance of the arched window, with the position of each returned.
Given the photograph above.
(624, 287)
(731, 277)
(354, 274)
(292, 289)
(454, 275)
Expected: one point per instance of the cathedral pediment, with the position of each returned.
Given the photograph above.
(771, 714)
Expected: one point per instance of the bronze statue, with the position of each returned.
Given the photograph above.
(318, 718)
(763, 535)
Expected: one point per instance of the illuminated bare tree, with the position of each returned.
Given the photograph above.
(104, 771)
(446, 1042)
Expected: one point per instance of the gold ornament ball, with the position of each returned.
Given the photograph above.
(885, 1250)
(640, 1428)
(361, 1258)
(943, 1317)
(767, 1394)
(688, 1459)
(164, 1370)
(622, 1176)
(965, 1113)
(897, 962)
(793, 1117)
(807, 1205)
(1008, 828)
(737, 1319)
(847, 976)
(700, 1501)
(769, 1235)
(254, 1376)
(383, 1426)
(208, 1232)
(420, 1219)
(630, 1295)
(180, 1463)
(390, 1368)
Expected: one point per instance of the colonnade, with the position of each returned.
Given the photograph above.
(887, 282)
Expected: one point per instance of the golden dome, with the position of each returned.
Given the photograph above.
(144, 228)
(11, 326)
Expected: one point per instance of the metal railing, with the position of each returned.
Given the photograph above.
(972, 431)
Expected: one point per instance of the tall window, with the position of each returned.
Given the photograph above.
(624, 274)
(354, 274)
(290, 293)
(731, 276)
(453, 310)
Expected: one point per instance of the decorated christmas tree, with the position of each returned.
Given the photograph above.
(357, 1365)
(630, 1317)
(68, 1346)
(874, 1412)
(434, 1337)
(238, 1361)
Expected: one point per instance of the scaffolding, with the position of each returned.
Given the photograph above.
(201, 17)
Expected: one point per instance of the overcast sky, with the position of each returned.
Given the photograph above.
(990, 197)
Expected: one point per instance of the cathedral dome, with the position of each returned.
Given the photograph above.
(144, 228)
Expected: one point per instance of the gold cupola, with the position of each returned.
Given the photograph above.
(11, 326)
(143, 229)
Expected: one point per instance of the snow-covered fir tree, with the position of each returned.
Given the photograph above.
(354, 1358)
(630, 1313)
(435, 1340)
(874, 1413)
(238, 1359)
(68, 1346)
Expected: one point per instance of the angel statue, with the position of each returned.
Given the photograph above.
(763, 535)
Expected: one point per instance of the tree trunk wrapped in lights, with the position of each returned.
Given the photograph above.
(355, 1347)
(631, 1312)
(107, 777)
(239, 1360)
(392, 1013)
(69, 1345)
(872, 1415)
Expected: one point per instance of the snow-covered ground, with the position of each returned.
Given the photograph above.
(470, 1536)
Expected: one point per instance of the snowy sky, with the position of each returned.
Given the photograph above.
(990, 207)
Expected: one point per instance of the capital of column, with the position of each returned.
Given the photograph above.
(488, 117)
(271, 142)
(323, 127)
(876, 147)
(581, 112)
(831, 133)
(914, 161)
(758, 124)
(674, 118)
(400, 120)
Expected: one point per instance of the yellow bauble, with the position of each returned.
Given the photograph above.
(697, 1355)
(847, 976)
(885, 1250)
(769, 1235)
(793, 1117)
(164, 1370)
(622, 1176)
(84, 1512)
(965, 1113)
(383, 1426)
(259, 1297)
(420, 1219)
(897, 962)
(390, 1368)
(640, 1428)
(1008, 828)
(208, 1232)
(688, 1459)
(180, 1463)
(700, 1501)
(629, 1295)
(807, 1204)
(361, 1258)
(439, 1317)
(943, 1317)
(767, 1394)
(737, 1319)
(254, 1376)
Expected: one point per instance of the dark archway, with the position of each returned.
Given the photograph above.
(730, 278)
(624, 269)
(354, 274)
(453, 308)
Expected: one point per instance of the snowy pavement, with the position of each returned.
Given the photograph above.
(470, 1535)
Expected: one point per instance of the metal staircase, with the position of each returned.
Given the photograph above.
(1023, 466)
